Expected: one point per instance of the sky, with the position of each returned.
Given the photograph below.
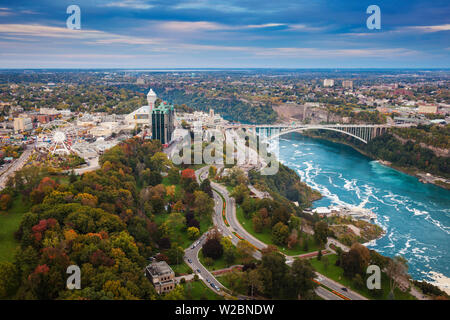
(225, 34)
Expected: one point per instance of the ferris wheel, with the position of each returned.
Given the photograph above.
(58, 137)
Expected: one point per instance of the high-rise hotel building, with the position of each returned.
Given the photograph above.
(163, 126)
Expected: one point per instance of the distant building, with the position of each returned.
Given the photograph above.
(347, 84)
(161, 276)
(163, 126)
(142, 116)
(49, 111)
(428, 109)
(22, 124)
(328, 82)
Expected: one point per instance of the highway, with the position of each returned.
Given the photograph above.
(15, 166)
(235, 226)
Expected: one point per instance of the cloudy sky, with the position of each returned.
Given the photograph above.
(224, 33)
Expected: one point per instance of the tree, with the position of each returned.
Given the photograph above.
(280, 233)
(175, 221)
(274, 270)
(187, 176)
(193, 233)
(396, 270)
(175, 255)
(254, 281)
(258, 223)
(176, 294)
(356, 260)
(9, 280)
(319, 254)
(321, 232)
(229, 251)
(302, 278)
(205, 186)
(212, 172)
(245, 250)
(204, 205)
(5, 202)
(212, 248)
(248, 206)
(155, 178)
(293, 239)
(174, 175)
(239, 193)
(358, 281)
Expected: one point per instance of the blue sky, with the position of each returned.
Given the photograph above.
(224, 33)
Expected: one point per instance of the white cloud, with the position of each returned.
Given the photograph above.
(134, 4)
(427, 29)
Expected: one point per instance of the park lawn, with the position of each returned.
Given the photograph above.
(239, 286)
(266, 236)
(9, 223)
(165, 181)
(336, 273)
(197, 290)
(181, 235)
(181, 269)
(219, 263)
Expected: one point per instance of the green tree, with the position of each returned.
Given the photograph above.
(280, 233)
(193, 233)
(9, 280)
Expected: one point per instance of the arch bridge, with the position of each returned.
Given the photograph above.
(361, 132)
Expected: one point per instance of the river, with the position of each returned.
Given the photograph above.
(415, 216)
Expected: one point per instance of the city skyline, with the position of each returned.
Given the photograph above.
(224, 34)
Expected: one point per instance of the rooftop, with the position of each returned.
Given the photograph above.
(159, 268)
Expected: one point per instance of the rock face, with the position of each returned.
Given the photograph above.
(437, 151)
(309, 112)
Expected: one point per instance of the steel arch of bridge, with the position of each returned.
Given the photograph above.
(359, 132)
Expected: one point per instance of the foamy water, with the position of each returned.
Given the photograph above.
(415, 216)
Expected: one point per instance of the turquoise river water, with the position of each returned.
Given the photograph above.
(415, 216)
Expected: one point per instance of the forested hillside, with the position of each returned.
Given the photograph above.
(107, 222)
(230, 108)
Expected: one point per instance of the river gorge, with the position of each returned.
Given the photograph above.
(415, 216)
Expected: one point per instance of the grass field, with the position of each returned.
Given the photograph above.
(181, 235)
(9, 223)
(266, 236)
(181, 269)
(197, 290)
(219, 263)
(337, 273)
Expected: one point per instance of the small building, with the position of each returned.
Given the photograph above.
(328, 82)
(22, 124)
(427, 109)
(347, 84)
(161, 275)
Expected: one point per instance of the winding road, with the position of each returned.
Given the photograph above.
(333, 290)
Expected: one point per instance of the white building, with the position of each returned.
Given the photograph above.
(22, 124)
(347, 84)
(328, 82)
(142, 116)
